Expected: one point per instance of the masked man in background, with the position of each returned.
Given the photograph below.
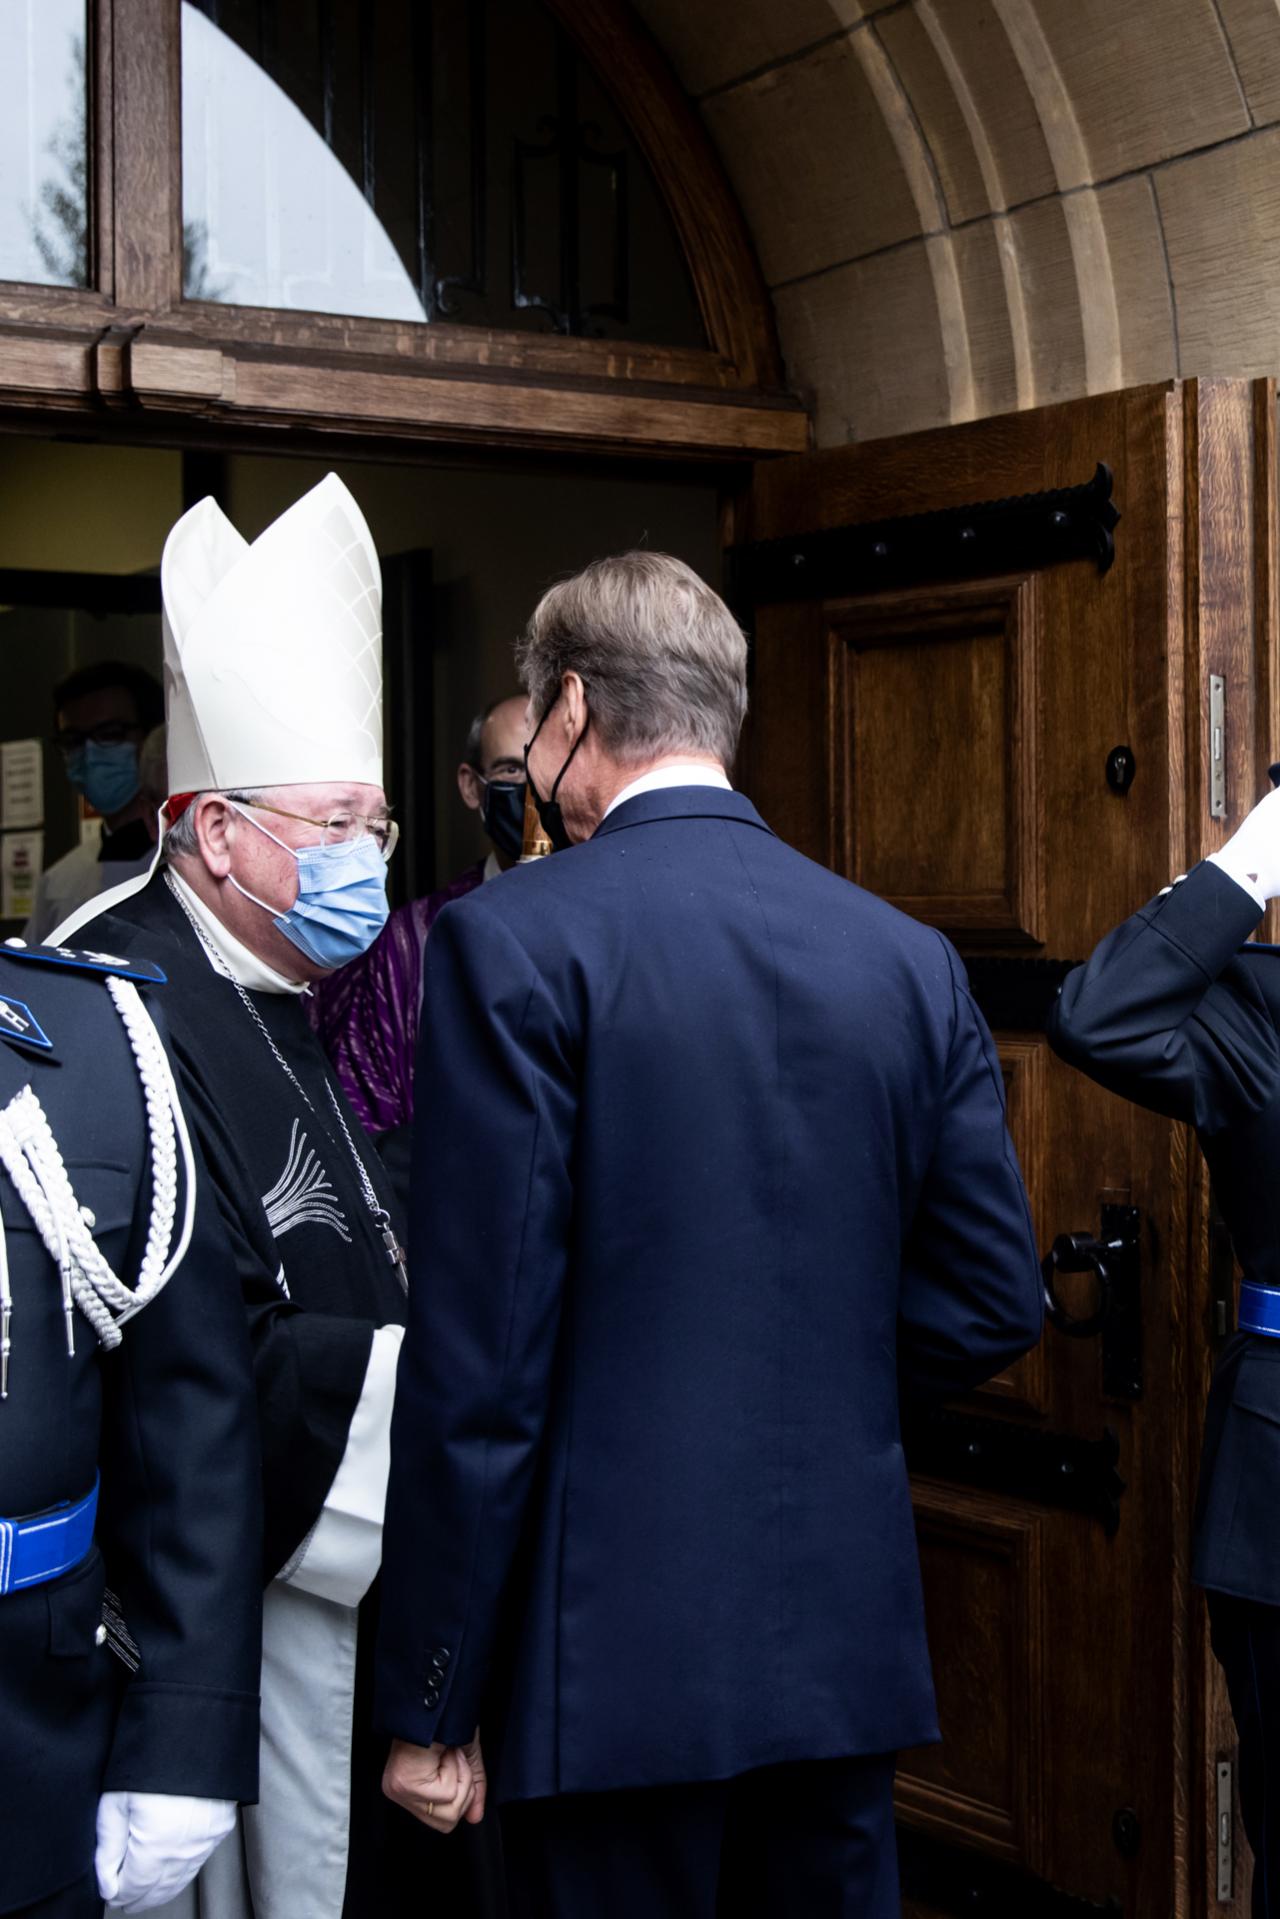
(367, 1015)
(103, 715)
(273, 875)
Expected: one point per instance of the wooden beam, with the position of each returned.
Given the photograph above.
(422, 402)
(147, 149)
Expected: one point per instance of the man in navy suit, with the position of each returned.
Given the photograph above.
(711, 1168)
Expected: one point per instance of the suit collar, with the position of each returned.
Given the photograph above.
(682, 803)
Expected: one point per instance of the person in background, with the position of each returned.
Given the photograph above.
(710, 1166)
(103, 714)
(367, 1014)
(130, 1601)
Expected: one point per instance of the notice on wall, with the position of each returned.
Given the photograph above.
(21, 857)
(21, 784)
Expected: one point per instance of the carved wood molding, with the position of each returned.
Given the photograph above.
(233, 385)
(220, 381)
(987, 1779)
(889, 652)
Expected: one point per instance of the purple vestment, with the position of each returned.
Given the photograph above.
(367, 1013)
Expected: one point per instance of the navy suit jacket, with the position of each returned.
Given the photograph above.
(1172, 1011)
(710, 1155)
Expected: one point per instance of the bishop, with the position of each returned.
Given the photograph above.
(276, 834)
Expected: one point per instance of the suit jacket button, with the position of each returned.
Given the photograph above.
(431, 1698)
(440, 1657)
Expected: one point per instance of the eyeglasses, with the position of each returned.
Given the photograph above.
(340, 828)
(69, 739)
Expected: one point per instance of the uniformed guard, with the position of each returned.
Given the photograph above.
(1175, 1011)
(130, 1542)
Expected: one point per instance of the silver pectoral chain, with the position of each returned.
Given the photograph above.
(381, 1217)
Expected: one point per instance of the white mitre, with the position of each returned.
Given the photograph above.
(273, 651)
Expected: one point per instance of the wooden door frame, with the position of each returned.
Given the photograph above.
(131, 343)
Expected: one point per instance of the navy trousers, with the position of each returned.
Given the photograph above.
(805, 1841)
(1246, 1644)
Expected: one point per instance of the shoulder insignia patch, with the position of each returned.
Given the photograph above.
(19, 1024)
(86, 960)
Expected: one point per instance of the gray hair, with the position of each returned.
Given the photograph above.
(662, 658)
(181, 836)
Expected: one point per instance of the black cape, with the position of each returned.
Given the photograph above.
(313, 1270)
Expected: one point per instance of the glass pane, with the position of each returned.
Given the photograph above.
(418, 160)
(44, 155)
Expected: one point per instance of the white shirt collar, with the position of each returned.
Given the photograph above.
(491, 867)
(675, 773)
(230, 955)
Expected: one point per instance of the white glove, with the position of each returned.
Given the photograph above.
(152, 1844)
(1251, 857)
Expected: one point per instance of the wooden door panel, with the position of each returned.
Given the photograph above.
(1025, 1065)
(982, 1565)
(936, 776)
(946, 744)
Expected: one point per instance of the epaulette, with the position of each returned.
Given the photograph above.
(19, 1025)
(85, 959)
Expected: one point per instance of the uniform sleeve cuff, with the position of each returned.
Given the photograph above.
(1233, 866)
(185, 1739)
(1208, 917)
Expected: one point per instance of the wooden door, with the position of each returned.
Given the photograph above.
(998, 716)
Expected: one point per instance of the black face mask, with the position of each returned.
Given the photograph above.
(549, 809)
(502, 810)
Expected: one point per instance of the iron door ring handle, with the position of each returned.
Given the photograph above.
(1076, 1253)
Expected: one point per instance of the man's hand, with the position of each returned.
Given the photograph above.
(152, 1844)
(1251, 857)
(439, 1785)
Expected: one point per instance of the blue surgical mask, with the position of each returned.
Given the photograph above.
(342, 898)
(106, 773)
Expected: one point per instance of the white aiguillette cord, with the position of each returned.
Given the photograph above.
(381, 1217)
(30, 1155)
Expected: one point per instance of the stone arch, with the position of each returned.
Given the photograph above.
(966, 206)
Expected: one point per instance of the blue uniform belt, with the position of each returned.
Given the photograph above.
(48, 1544)
(1259, 1309)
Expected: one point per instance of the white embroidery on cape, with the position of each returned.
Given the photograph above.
(303, 1194)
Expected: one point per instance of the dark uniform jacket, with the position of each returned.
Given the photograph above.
(711, 1154)
(1174, 1012)
(167, 1419)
